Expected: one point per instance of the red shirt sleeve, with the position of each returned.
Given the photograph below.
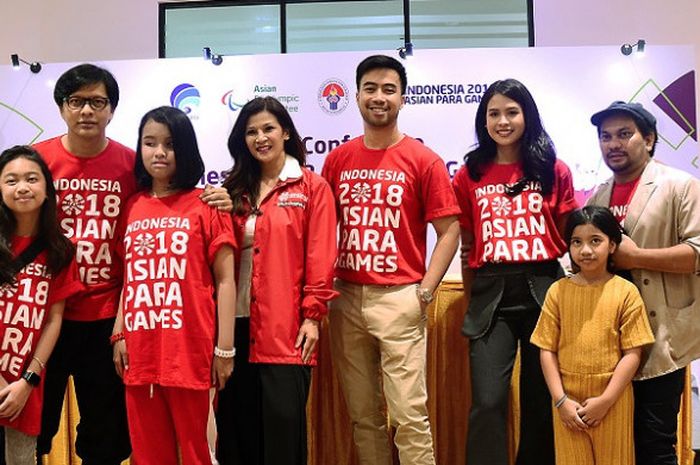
(564, 185)
(66, 284)
(437, 192)
(321, 251)
(220, 233)
(460, 184)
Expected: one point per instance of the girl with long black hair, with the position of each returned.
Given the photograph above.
(37, 273)
(515, 197)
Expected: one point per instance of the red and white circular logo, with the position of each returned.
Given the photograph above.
(333, 96)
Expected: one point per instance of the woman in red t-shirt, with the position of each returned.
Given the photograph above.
(172, 339)
(37, 274)
(515, 198)
(285, 222)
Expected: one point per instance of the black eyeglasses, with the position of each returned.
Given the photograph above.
(77, 103)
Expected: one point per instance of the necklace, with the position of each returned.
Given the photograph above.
(162, 193)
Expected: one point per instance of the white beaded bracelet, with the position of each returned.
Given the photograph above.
(221, 353)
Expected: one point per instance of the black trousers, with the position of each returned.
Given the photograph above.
(83, 351)
(657, 402)
(261, 413)
(492, 356)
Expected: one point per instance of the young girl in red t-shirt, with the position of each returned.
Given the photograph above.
(172, 340)
(515, 197)
(37, 274)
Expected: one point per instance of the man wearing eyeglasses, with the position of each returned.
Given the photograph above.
(94, 176)
(659, 207)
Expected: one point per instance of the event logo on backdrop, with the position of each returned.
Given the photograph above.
(444, 93)
(333, 96)
(235, 100)
(186, 97)
(231, 100)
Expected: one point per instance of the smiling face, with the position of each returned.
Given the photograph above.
(85, 123)
(505, 120)
(379, 97)
(265, 137)
(23, 186)
(590, 248)
(158, 153)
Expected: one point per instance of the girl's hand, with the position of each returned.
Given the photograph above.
(308, 335)
(14, 396)
(569, 416)
(593, 410)
(120, 357)
(3, 382)
(221, 371)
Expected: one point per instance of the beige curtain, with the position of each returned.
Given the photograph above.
(330, 436)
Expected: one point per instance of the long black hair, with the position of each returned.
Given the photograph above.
(59, 249)
(189, 166)
(600, 217)
(536, 147)
(243, 182)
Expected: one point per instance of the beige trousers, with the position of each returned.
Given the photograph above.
(378, 345)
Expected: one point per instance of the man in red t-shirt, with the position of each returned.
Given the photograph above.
(388, 187)
(659, 208)
(93, 176)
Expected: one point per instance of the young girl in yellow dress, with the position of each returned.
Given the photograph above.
(590, 332)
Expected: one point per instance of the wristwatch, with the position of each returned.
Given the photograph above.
(424, 295)
(32, 378)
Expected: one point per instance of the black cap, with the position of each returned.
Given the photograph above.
(636, 110)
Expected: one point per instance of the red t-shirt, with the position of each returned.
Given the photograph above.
(24, 308)
(621, 197)
(91, 193)
(385, 198)
(168, 246)
(516, 229)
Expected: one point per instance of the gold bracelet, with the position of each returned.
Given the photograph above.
(38, 360)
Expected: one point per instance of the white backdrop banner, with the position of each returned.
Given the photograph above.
(444, 90)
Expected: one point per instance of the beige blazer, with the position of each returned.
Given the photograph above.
(665, 211)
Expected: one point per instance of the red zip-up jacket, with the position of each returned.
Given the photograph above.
(294, 251)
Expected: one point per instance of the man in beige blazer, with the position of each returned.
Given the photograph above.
(659, 207)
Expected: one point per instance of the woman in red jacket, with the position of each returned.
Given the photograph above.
(285, 221)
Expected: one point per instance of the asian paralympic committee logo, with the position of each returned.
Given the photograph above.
(185, 97)
(229, 100)
(333, 96)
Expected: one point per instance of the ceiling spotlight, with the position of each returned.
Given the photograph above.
(641, 44)
(34, 67)
(406, 51)
(627, 49)
(215, 58)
